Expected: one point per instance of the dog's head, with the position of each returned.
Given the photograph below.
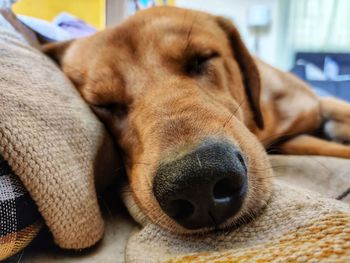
(180, 93)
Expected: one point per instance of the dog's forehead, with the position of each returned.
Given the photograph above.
(169, 29)
(172, 19)
(149, 45)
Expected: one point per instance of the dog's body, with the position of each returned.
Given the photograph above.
(291, 110)
(192, 112)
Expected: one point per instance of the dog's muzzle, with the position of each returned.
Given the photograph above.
(203, 188)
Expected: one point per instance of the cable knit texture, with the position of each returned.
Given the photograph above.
(50, 138)
(296, 226)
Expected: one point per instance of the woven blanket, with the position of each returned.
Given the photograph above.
(296, 226)
(54, 144)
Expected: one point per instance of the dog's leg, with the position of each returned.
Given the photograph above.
(336, 115)
(337, 131)
(335, 109)
(310, 145)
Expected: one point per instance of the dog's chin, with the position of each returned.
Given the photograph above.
(251, 208)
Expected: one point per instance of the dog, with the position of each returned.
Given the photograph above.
(193, 113)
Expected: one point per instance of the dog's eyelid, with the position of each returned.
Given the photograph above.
(211, 54)
(197, 62)
(118, 109)
(205, 56)
(107, 106)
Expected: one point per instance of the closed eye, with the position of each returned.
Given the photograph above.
(119, 110)
(197, 63)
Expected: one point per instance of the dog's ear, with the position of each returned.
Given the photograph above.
(247, 66)
(56, 50)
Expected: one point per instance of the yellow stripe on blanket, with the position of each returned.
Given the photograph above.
(323, 240)
(12, 243)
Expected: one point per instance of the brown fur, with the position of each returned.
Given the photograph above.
(158, 110)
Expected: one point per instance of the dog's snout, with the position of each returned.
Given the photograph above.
(203, 188)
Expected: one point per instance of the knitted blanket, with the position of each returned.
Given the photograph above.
(296, 226)
(55, 145)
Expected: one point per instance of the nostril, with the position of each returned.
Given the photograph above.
(180, 209)
(223, 190)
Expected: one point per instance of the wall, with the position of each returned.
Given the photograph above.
(237, 10)
(116, 11)
(92, 11)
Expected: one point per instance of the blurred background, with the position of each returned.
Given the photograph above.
(310, 38)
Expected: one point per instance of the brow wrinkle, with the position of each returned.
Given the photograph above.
(189, 33)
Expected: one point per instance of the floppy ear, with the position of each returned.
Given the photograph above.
(247, 67)
(56, 50)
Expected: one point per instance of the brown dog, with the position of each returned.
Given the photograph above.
(192, 111)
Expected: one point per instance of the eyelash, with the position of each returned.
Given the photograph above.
(196, 65)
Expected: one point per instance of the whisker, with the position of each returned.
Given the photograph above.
(134, 191)
(272, 167)
(20, 258)
(213, 219)
(234, 113)
(221, 129)
(142, 163)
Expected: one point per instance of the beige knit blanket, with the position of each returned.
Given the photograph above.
(53, 142)
(297, 225)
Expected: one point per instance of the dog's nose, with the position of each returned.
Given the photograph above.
(203, 188)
